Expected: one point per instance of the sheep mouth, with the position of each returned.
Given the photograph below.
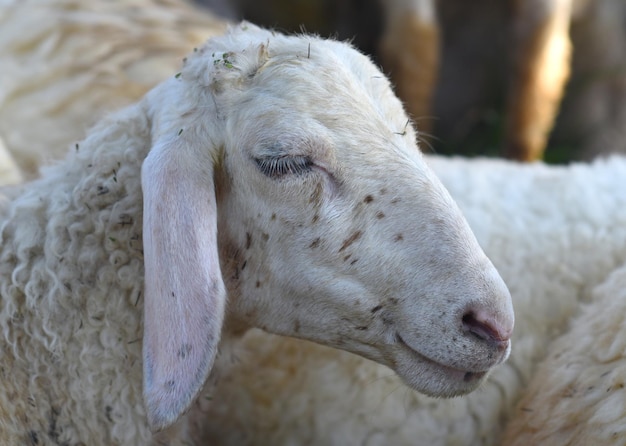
(469, 377)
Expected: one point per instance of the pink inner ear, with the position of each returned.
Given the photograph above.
(184, 291)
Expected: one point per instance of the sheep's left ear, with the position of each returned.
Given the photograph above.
(184, 290)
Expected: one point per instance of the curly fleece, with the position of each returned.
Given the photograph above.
(63, 298)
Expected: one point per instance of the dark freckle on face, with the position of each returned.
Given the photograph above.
(248, 240)
(243, 265)
(398, 237)
(173, 295)
(368, 199)
(258, 284)
(170, 383)
(354, 261)
(265, 236)
(347, 257)
(315, 218)
(362, 328)
(350, 240)
(273, 217)
(184, 351)
(380, 215)
(377, 308)
(393, 300)
(315, 243)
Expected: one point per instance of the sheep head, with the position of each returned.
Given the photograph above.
(285, 175)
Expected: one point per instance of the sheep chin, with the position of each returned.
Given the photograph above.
(434, 378)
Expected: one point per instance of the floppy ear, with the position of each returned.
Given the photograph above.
(184, 290)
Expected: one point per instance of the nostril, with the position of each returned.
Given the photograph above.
(486, 329)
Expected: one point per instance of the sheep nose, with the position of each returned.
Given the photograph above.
(487, 328)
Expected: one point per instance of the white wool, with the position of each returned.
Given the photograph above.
(578, 394)
(66, 63)
(252, 189)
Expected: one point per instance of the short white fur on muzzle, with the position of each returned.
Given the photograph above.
(292, 158)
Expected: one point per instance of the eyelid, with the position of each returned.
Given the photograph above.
(278, 166)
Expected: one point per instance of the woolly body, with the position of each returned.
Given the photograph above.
(66, 63)
(577, 395)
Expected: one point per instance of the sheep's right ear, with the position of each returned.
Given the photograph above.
(184, 290)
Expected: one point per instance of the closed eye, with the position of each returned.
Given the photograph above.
(278, 166)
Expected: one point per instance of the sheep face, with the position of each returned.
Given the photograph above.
(330, 225)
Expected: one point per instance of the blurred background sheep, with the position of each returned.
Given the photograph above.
(79, 60)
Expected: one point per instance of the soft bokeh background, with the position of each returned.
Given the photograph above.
(468, 113)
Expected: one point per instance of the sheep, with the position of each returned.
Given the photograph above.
(552, 232)
(65, 63)
(251, 189)
(577, 395)
(278, 363)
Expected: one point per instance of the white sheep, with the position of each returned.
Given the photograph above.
(578, 395)
(66, 63)
(552, 232)
(285, 359)
(263, 172)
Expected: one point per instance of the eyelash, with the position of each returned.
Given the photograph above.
(277, 167)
